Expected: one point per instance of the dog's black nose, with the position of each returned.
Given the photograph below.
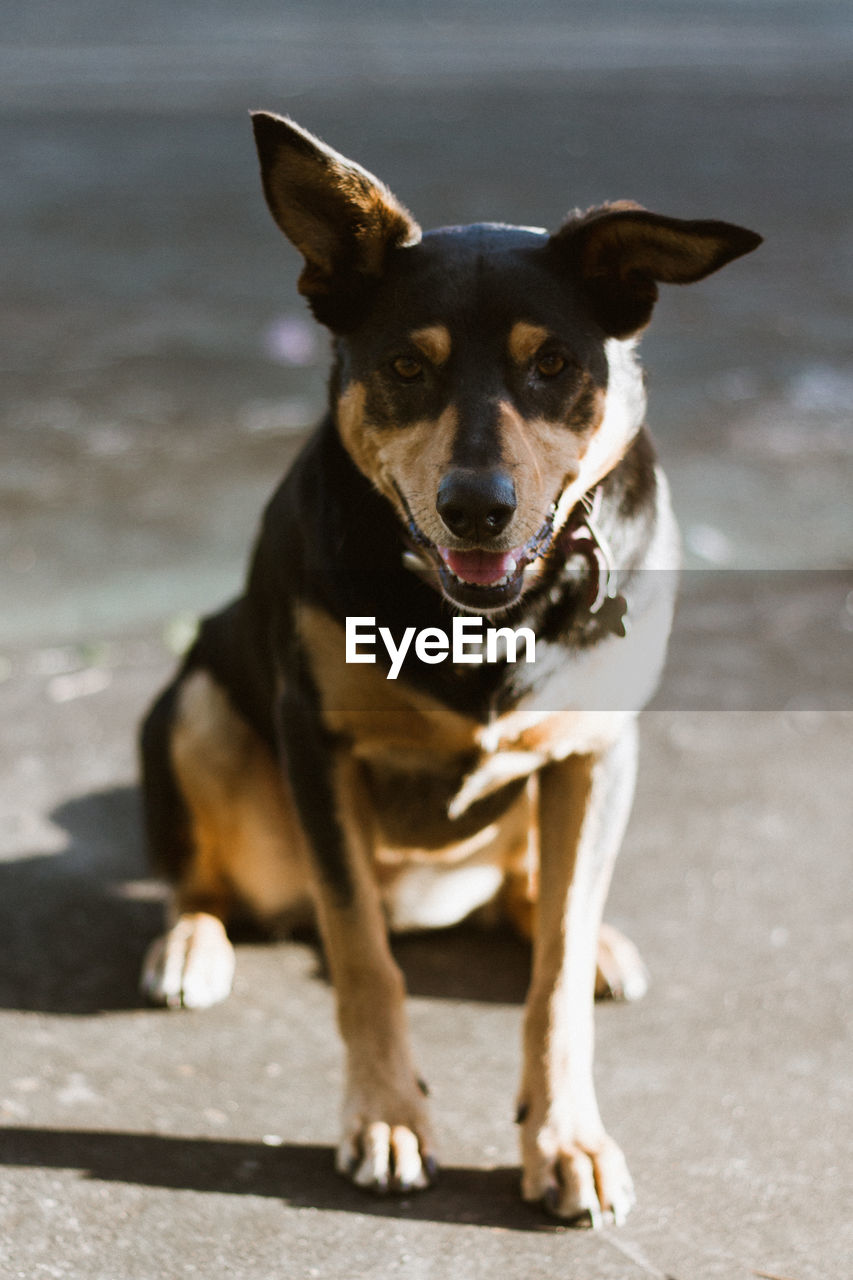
(476, 504)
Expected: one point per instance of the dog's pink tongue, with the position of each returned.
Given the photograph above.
(479, 567)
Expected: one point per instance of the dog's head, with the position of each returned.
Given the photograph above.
(485, 376)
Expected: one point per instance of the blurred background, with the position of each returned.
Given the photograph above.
(159, 365)
(159, 370)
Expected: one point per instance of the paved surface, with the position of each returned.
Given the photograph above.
(152, 401)
(134, 1142)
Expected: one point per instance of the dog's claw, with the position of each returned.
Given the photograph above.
(586, 1220)
(386, 1159)
(620, 1212)
(551, 1199)
(583, 1188)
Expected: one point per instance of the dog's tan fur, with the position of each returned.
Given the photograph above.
(545, 461)
(250, 850)
(525, 340)
(424, 812)
(434, 341)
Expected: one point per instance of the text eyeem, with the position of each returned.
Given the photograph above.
(467, 642)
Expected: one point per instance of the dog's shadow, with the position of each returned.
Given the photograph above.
(299, 1175)
(74, 926)
(71, 936)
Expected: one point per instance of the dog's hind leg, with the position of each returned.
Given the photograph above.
(620, 973)
(221, 828)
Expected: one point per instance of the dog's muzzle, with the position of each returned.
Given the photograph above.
(475, 505)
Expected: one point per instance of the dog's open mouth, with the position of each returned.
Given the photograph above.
(480, 568)
(478, 579)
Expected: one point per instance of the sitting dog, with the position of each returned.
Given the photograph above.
(368, 733)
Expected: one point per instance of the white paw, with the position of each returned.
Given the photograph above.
(384, 1157)
(191, 966)
(584, 1186)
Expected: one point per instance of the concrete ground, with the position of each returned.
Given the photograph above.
(156, 361)
(139, 1144)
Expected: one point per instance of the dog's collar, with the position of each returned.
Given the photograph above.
(582, 536)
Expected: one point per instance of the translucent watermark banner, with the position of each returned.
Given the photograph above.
(739, 640)
(761, 640)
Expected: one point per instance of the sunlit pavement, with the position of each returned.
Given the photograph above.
(159, 371)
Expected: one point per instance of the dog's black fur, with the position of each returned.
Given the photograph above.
(494, 362)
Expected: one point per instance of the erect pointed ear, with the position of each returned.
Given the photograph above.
(341, 219)
(620, 252)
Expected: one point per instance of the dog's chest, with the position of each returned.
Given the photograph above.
(426, 757)
(450, 830)
(506, 751)
(451, 799)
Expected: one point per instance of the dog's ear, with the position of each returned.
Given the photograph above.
(620, 252)
(341, 219)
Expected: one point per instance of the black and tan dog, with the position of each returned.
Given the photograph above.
(484, 457)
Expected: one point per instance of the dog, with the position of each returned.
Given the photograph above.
(326, 749)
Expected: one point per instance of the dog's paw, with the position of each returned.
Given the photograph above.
(620, 973)
(191, 966)
(383, 1156)
(583, 1185)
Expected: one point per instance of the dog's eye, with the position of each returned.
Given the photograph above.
(550, 364)
(407, 368)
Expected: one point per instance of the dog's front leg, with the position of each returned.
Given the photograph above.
(568, 1161)
(385, 1143)
(386, 1140)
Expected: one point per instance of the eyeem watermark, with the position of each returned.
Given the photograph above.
(467, 642)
